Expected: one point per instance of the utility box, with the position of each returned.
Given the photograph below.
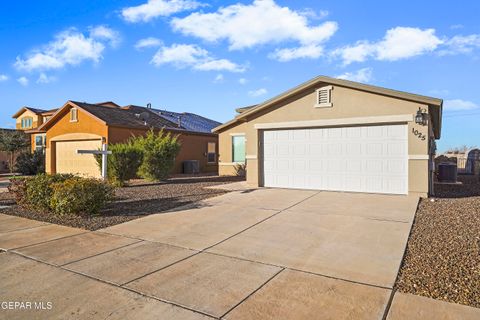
(191, 166)
(447, 172)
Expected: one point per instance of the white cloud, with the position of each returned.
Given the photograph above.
(219, 78)
(456, 26)
(459, 104)
(3, 77)
(149, 42)
(398, 43)
(257, 93)
(310, 13)
(23, 81)
(362, 75)
(242, 81)
(70, 47)
(188, 55)
(105, 33)
(157, 8)
(218, 65)
(461, 44)
(44, 79)
(181, 55)
(310, 51)
(246, 26)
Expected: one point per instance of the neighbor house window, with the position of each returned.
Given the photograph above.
(73, 115)
(211, 152)
(238, 148)
(40, 142)
(324, 97)
(27, 122)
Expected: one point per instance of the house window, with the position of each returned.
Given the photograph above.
(324, 97)
(40, 142)
(211, 152)
(238, 148)
(73, 115)
(27, 122)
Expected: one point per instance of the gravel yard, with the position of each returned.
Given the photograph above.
(443, 255)
(139, 199)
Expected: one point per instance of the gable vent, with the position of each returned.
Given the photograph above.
(324, 97)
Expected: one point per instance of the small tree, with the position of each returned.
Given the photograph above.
(13, 141)
(123, 163)
(159, 152)
(30, 163)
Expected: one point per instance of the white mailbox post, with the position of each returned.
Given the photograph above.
(104, 152)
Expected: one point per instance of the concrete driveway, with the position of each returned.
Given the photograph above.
(252, 254)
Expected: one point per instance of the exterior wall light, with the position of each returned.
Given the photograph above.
(421, 117)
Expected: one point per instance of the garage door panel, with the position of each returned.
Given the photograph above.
(283, 150)
(359, 159)
(68, 161)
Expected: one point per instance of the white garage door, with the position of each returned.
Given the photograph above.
(68, 161)
(358, 159)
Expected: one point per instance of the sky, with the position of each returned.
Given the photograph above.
(210, 57)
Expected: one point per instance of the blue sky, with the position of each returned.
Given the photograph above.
(210, 57)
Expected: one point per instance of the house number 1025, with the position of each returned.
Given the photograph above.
(418, 134)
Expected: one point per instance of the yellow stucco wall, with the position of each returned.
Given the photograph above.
(347, 103)
(86, 128)
(36, 120)
(194, 146)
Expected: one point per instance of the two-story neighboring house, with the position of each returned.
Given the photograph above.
(29, 119)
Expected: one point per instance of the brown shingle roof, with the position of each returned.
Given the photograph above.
(135, 117)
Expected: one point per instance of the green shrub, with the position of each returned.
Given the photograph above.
(240, 169)
(80, 195)
(18, 187)
(39, 190)
(123, 163)
(159, 152)
(28, 163)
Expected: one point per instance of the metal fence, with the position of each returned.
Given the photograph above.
(468, 166)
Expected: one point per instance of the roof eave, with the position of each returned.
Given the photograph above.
(19, 112)
(339, 82)
(55, 115)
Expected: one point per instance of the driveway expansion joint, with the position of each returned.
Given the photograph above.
(252, 293)
(27, 228)
(300, 270)
(115, 285)
(259, 222)
(387, 220)
(162, 268)
(46, 241)
(151, 241)
(98, 254)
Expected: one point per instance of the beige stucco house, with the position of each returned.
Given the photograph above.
(338, 135)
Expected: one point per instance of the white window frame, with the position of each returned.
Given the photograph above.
(214, 153)
(328, 104)
(27, 122)
(73, 111)
(42, 146)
